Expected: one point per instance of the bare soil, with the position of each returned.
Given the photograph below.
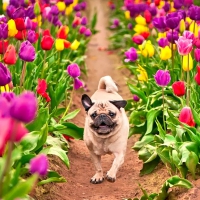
(101, 63)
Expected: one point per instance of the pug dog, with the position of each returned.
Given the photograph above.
(106, 127)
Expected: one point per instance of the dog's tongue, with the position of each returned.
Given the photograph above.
(103, 125)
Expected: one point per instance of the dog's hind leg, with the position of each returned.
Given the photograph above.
(118, 161)
(98, 177)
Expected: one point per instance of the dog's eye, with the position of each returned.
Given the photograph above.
(93, 115)
(112, 114)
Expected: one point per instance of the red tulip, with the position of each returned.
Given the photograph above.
(178, 88)
(145, 34)
(20, 25)
(186, 116)
(41, 89)
(67, 44)
(147, 16)
(47, 42)
(68, 138)
(62, 32)
(10, 55)
(46, 32)
(157, 2)
(21, 35)
(3, 46)
(197, 76)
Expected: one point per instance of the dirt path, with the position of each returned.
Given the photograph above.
(78, 187)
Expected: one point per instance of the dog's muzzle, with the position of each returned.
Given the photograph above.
(103, 124)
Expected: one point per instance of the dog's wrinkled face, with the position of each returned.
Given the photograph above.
(103, 116)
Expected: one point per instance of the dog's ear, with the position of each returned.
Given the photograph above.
(86, 102)
(119, 104)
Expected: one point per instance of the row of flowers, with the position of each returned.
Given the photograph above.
(42, 45)
(161, 48)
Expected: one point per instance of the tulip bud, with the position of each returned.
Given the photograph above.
(187, 63)
(162, 78)
(182, 25)
(136, 98)
(10, 55)
(131, 55)
(165, 53)
(37, 10)
(39, 165)
(197, 55)
(186, 116)
(75, 45)
(59, 44)
(61, 6)
(197, 76)
(12, 30)
(73, 70)
(87, 32)
(178, 88)
(138, 39)
(5, 76)
(27, 51)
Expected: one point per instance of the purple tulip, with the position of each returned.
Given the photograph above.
(166, 7)
(31, 36)
(172, 37)
(27, 51)
(116, 22)
(3, 31)
(84, 21)
(194, 12)
(82, 29)
(24, 107)
(78, 14)
(83, 5)
(68, 2)
(163, 42)
(130, 26)
(87, 32)
(153, 10)
(197, 55)
(3, 19)
(54, 10)
(10, 10)
(178, 4)
(4, 107)
(136, 98)
(5, 76)
(77, 7)
(131, 55)
(77, 83)
(29, 12)
(19, 13)
(73, 70)
(172, 20)
(188, 3)
(9, 96)
(162, 77)
(39, 165)
(159, 23)
(28, 23)
(181, 14)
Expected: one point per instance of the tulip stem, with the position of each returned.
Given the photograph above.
(23, 75)
(69, 104)
(7, 166)
(188, 83)
(163, 109)
(43, 68)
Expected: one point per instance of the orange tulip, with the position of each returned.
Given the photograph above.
(10, 55)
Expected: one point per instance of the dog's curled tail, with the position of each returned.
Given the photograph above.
(108, 84)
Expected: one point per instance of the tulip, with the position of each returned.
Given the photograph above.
(178, 88)
(197, 55)
(75, 45)
(24, 107)
(10, 10)
(3, 31)
(162, 77)
(76, 22)
(5, 76)
(147, 49)
(68, 2)
(84, 21)
(41, 89)
(3, 46)
(131, 55)
(159, 23)
(172, 20)
(37, 10)
(127, 14)
(82, 29)
(39, 165)
(9, 96)
(28, 23)
(178, 4)
(140, 28)
(187, 63)
(47, 42)
(61, 6)
(165, 53)
(188, 35)
(27, 51)
(142, 76)
(138, 39)
(140, 20)
(166, 7)
(87, 32)
(197, 76)
(10, 55)
(29, 12)
(147, 16)
(145, 34)
(32, 36)
(12, 30)
(182, 25)
(186, 116)
(21, 35)
(67, 44)
(130, 26)
(73, 70)
(83, 5)
(54, 10)
(194, 12)
(62, 32)
(184, 45)
(20, 25)
(163, 42)
(196, 42)
(59, 44)
(172, 36)
(136, 98)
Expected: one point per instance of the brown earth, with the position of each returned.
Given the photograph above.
(78, 187)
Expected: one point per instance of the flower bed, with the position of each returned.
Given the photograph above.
(42, 47)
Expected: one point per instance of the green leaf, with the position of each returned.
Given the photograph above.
(151, 116)
(161, 131)
(58, 152)
(192, 162)
(137, 130)
(71, 115)
(138, 92)
(41, 119)
(145, 140)
(21, 189)
(137, 117)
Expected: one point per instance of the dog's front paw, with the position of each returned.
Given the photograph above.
(96, 179)
(110, 178)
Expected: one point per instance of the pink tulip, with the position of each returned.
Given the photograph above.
(184, 45)
(188, 35)
(186, 116)
(138, 39)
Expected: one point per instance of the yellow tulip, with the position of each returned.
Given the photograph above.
(161, 35)
(75, 44)
(172, 9)
(185, 66)
(182, 26)
(127, 14)
(140, 20)
(162, 3)
(61, 6)
(12, 30)
(140, 28)
(165, 53)
(69, 10)
(187, 19)
(5, 5)
(4, 88)
(59, 44)
(194, 28)
(147, 49)
(143, 74)
(74, 3)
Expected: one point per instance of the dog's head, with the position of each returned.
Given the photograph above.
(104, 117)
